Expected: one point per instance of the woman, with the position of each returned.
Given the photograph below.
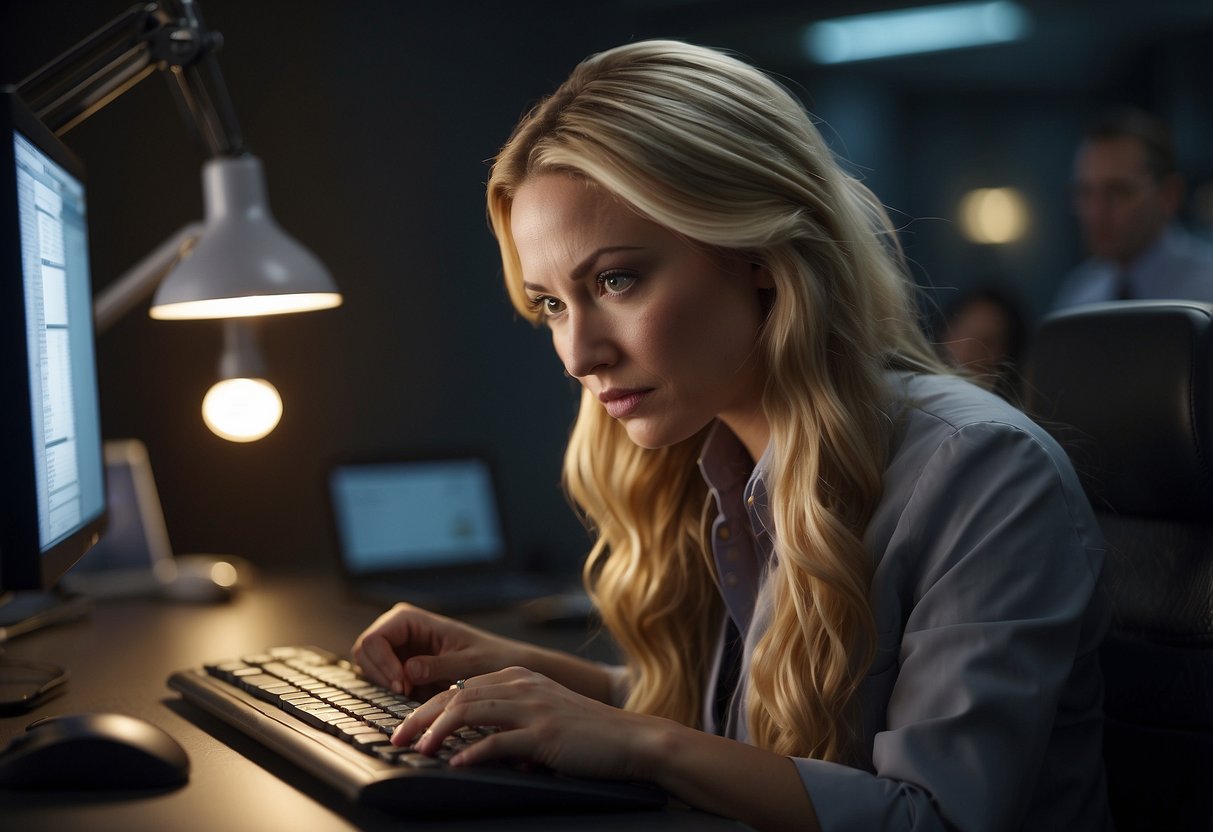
(983, 335)
(853, 591)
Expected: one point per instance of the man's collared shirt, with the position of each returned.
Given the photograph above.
(1179, 266)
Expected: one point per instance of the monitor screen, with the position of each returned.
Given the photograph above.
(52, 495)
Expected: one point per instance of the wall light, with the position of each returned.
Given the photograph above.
(865, 37)
(993, 216)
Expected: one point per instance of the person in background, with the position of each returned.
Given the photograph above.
(1127, 192)
(984, 334)
(853, 590)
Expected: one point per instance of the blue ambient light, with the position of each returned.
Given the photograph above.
(866, 37)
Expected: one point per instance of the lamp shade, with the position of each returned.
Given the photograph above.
(243, 264)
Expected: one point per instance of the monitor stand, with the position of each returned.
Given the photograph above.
(24, 612)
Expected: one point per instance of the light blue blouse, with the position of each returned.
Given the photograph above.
(982, 708)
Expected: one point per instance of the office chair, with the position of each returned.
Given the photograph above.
(1127, 389)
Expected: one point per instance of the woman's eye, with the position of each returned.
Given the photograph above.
(616, 283)
(547, 306)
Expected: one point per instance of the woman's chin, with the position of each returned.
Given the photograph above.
(650, 436)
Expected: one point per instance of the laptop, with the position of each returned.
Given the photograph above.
(135, 542)
(428, 531)
(134, 557)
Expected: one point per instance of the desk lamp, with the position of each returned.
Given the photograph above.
(238, 263)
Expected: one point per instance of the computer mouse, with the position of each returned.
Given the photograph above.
(93, 751)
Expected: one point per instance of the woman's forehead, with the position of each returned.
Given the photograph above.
(558, 214)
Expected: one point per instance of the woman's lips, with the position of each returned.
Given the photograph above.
(620, 404)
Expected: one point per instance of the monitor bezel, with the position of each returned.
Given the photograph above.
(23, 565)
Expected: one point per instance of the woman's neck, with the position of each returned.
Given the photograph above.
(752, 429)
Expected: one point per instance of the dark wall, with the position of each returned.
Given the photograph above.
(375, 120)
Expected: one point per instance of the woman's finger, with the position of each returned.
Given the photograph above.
(488, 686)
(421, 718)
(462, 711)
(440, 669)
(378, 662)
(517, 744)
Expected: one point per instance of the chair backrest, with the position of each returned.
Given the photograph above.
(1127, 388)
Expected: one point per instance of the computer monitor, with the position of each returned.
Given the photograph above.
(52, 480)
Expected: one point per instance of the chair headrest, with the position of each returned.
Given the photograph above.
(1127, 388)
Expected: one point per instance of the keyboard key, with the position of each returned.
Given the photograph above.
(374, 738)
(318, 719)
(419, 761)
(226, 667)
(359, 729)
(310, 702)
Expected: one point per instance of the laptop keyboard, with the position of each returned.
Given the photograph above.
(312, 707)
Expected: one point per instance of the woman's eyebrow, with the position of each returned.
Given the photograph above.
(579, 271)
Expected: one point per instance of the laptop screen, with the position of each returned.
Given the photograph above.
(396, 516)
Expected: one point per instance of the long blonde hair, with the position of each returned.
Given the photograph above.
(712, 149)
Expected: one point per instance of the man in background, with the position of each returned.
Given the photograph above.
(1127, 192)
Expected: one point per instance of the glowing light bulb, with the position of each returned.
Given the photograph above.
(242, 409)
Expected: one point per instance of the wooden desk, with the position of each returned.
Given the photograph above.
(120, 657)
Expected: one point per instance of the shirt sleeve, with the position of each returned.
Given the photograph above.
(994, 559)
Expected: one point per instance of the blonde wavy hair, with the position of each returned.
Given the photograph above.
(714, 150)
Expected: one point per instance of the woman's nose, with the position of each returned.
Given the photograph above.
(584, 344)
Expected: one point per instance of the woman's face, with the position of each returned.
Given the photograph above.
(662, 332)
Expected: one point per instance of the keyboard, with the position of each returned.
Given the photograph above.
(311, 707)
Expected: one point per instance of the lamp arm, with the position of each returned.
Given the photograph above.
(119, 55)
(200, 88)
(141, 280)
(96, 70)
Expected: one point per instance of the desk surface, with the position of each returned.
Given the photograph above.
(119, 658)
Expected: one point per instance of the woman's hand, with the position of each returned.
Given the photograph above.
(409, 649)
(539, 721)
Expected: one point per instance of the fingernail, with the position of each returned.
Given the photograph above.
(416, 670)
(397, 687)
